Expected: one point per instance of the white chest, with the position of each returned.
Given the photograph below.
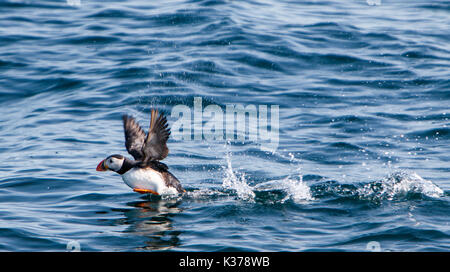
(146, 179)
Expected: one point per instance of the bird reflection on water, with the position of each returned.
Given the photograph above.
(151, 219)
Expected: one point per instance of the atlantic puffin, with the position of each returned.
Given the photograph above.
(145, 174)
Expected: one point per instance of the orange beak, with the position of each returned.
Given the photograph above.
(101, 166)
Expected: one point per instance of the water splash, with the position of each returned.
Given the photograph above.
(236, 181)
(297, 190)
(399, 185)
(290, 188)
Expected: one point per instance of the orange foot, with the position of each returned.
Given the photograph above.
(145, 191)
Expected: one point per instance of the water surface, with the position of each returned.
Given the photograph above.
(363, 96)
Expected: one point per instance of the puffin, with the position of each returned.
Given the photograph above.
(145, 174)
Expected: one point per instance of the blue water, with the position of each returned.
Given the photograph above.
(364, 140)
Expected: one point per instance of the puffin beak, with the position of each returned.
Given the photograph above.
(101, 166)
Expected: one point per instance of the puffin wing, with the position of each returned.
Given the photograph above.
(155, 147)
(172, 181)
(134, 138)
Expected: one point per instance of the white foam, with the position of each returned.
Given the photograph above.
(400, 184)
(296, 190)
(207, 194)
(415, 183)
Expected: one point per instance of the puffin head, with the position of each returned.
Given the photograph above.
(113, 163)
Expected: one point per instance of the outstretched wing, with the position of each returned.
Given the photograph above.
(134, 137)
(155, 147)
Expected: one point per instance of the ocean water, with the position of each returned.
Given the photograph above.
(362, 155)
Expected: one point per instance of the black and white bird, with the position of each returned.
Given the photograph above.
(145, 174)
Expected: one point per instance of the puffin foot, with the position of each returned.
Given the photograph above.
(145, 191)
